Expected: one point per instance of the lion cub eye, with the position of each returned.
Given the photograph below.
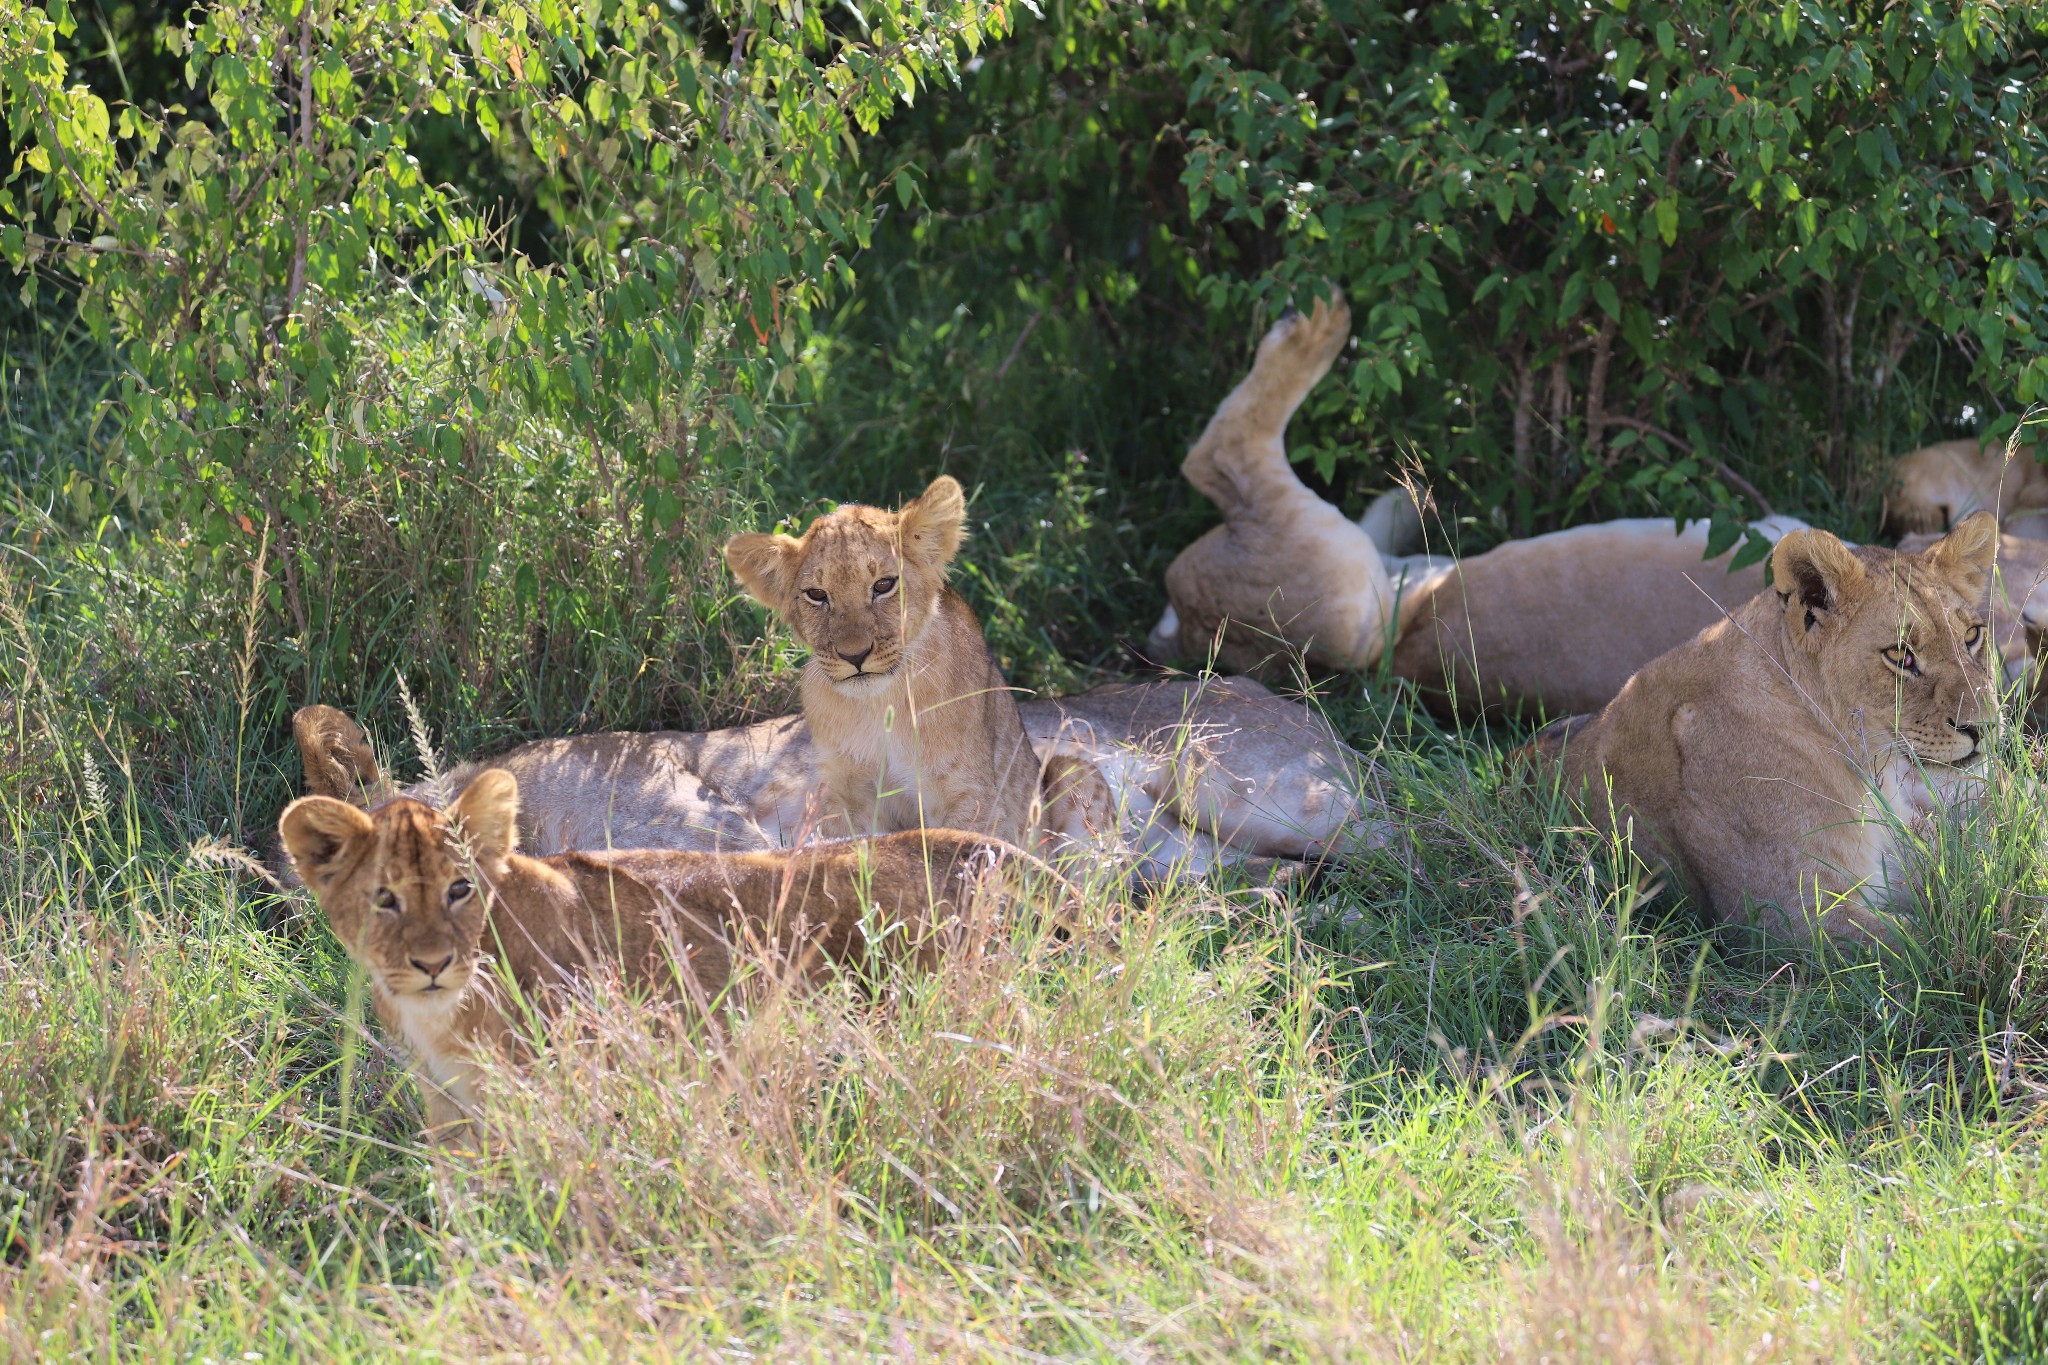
(458, 891)
(1973, 637)
(1901, 658)
(384, 899)
(884, 586)
(817, 595)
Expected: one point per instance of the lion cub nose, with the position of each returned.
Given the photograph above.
(433, 969)
(856, 660)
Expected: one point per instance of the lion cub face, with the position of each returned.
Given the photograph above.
(862, 584)
(397, 884)
(1899, 639)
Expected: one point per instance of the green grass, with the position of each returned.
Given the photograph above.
(1473, 1101)
(1482, 1097)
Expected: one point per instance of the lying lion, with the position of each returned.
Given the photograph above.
(1200, 773)
(1775, 762)
(1557, 623)
(1936, 486)
(426, 902)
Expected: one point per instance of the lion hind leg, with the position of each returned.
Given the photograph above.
(1242, 447)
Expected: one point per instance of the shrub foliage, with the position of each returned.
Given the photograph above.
(1604, 259)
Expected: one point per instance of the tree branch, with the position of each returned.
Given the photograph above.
(1652, 429)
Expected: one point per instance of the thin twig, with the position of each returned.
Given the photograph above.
(1018, 345)
(1652, 429)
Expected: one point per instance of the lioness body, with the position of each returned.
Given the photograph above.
(913, 721)
(1558, 622)
(420, 905)
(1199, 773)
(1772, 760)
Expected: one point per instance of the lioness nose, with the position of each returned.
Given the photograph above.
(434, 969)
(857, 659)
(1968, 732)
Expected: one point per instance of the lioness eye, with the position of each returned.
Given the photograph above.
(884, 586)
(457, 891)
(1974, 637)
(1902, 659)
(817, 595)
(384, 899)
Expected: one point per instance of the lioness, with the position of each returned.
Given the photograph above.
(1770, 761)
(913, 721)
(419, 897)
(1935, 487)
(1285, 568)
(1559, 622)
(1199, 773)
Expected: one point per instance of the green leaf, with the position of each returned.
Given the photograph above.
(1666, 211)
(1720, 535)
(1609, 301)
(1756, 547)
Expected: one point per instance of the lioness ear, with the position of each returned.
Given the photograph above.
(765, 566)
(323, 836)
(336, 756)
(935, 522)
(1811, 572)
(1966, 553)
(488, 812)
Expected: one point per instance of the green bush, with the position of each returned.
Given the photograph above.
(339, 384)
(1602, 261)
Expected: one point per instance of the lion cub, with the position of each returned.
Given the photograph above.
(423, 899)
(913, 720)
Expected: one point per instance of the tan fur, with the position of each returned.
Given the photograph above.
(1769, 761)
(914, 723)
(1285, 570)
(737, 789)
(2017, 612)
(1557, 623)
(1206, 765)
(1191, 774)
(337, 757)
(425, 901)
(1936, 486)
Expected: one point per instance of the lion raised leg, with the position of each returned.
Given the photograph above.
(1286, 572)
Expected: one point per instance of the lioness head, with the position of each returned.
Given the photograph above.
(1899, 640)
(861, 583)
(395, 883)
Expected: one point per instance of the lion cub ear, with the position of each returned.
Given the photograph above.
(1812, 573)
(934, 522)
(324, 837)
(488, 814)
(765, 566)
(1965, 555)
